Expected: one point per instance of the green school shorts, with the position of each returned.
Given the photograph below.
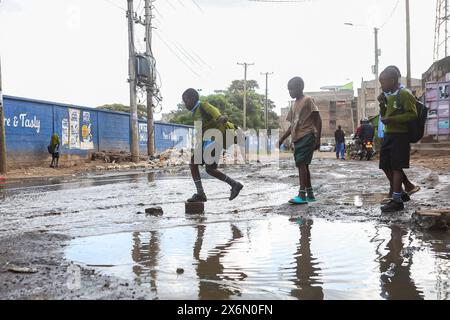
(304, 149)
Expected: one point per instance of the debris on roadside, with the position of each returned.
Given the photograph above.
(437, 219)
(180, 270)
(154, 211)
(122, 161)
(16, 269)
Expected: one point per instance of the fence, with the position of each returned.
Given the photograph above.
(30, 123)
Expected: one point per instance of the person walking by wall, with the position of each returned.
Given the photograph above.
(339, 137)
(53, 149)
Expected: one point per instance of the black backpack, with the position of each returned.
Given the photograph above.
(416, 127)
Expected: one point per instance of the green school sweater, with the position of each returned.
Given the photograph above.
(391, 110)
(209, 114)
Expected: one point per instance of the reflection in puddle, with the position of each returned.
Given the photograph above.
(358, 202)
(275, 259)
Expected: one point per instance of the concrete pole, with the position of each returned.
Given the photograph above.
(132, 79)
(266, 109)
(377, 85)
(245, 93)
(151, 84)
(3, 166)
(408, 45)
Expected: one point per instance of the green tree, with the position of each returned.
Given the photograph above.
(142, 109)
(230, 103)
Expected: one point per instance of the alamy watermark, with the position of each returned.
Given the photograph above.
(234, 145)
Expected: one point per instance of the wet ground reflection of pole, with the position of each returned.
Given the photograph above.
(306, 269)
(145, 254)
(210, 271)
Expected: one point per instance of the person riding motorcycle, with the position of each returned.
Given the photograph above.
(366, 134)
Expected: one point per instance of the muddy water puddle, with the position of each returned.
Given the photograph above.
(274, 258)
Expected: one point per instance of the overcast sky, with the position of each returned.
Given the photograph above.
(76, 51)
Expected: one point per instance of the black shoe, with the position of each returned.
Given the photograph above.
(197, 198)
(235, 190)
(392, 206)
(405, 197)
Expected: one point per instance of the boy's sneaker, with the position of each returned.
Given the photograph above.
(392, 206)
(197, 198)
(235, 190)
(298, 200)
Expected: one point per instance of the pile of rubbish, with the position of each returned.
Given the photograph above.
(115, 156)
(170, 158)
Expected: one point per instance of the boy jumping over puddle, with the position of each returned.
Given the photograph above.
(305, 119)
(211, 119)
(395, 149)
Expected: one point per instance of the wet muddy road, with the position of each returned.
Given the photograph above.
(88, 237)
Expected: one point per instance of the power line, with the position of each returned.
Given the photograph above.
(116, 5)
(198, 6)
(176, 55)
(280, 1)
(390, 16)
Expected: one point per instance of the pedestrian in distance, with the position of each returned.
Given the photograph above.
(53, 149)
(339, 138)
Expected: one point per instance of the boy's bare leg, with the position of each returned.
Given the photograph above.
(409, 186)
(200, 195)
(397, 181)
(390, 177)
(308, 177)
(303, 177)
(309, 189)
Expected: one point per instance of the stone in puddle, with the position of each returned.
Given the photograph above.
(180, 270)
(154, 211)
(194, 207)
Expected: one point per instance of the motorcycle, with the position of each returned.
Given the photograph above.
(366, 150)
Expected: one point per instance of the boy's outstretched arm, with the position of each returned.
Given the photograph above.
(318, 125)
(287, 134)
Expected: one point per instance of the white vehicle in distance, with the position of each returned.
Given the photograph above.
(325, 147)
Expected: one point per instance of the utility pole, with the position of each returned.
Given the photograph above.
(408, 46)
(3, 167)
(266, 110)
(377, 54)
(132, 79)
(151, 83)
(245, 64)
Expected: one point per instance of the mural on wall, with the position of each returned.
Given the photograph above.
(65, 132)
(87, 142)
(74, 132)
(143, 132)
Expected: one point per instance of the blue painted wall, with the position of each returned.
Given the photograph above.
(30, 123)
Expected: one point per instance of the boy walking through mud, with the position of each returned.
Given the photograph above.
(410, 188)
(211, 119)
(306, 130)
(397, 108)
